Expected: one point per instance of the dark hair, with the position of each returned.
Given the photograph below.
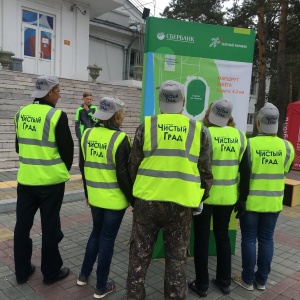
(85, 94)
(55, 87)
(206, 122)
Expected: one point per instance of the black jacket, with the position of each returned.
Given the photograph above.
(122, 156)
(63, 136)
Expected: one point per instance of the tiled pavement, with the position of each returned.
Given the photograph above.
(284, 280)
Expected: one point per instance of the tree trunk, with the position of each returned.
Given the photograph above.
(261, 95)
(291, 87)
(282, 97)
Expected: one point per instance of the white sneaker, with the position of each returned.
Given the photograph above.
(239, 280)
(81, 280)
(258, 286)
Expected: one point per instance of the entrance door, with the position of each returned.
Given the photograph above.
(37, 42)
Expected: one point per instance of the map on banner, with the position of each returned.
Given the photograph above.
(211, 61)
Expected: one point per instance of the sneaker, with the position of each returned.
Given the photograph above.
(258, 286)
(238, 279)
(101, 293)
(224, 289)
(200, 292)
(81, 280)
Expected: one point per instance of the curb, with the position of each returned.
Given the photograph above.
(9, 205)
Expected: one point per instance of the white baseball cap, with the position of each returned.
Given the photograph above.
(220, 112)
(43, 85)
(171, 95)
(268, 118)
(107, 107)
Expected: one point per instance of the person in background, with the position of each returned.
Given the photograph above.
(105, 151)
(227, 147)
(170, 167)
(84, 118)
(263, 169)
(45, 147)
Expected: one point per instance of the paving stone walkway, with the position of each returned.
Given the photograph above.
(284, 280)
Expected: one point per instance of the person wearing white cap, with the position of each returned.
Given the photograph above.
(170, 167)
(227, 146)
(108, 189)
(264, 166)
(45, 147)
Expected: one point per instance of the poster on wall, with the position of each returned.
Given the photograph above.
(211, 61)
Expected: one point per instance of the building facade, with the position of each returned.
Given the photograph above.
(62, 38)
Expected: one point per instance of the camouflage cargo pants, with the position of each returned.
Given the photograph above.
(175, 221)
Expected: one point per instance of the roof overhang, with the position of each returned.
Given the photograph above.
(100, 7)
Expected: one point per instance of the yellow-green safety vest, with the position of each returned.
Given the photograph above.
(99, 146)
(270, 158)
(227, 147)
(169, 169)
(40, 161)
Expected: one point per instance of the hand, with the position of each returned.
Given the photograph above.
(197, 211)
(239, 208)
(87, 202)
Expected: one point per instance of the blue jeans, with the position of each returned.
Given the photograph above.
(106, 224)
(258, 226)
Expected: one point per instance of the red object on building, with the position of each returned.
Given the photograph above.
(292, 130)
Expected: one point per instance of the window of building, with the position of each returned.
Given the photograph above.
(250, 119)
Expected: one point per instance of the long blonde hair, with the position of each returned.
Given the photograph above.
(114, 120)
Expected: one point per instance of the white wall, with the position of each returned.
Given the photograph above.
(9, 30)
(74, 29)
(109, 57)
(1, 23)
(108, 50)
(71, 61)
(71, 40)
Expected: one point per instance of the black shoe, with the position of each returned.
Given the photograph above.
(224, 289)
(200, 292)
(63, 273)
(24, 280)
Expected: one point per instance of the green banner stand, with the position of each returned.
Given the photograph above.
(212, 62)
(159, 251)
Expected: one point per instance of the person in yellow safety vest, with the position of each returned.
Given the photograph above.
(170, 167)
(45, 147)
(227, 146)
(264, 166)
(105, 152)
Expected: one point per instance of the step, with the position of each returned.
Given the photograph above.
(6, 128)
(7, 144)
(13, 163)
(73, 190)
(8, 153)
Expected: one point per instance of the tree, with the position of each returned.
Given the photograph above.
(261, 96)
(277, 50)
(282, 95)
(202, 11)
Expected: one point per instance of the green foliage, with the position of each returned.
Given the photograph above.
(243, 13)
(202, 11)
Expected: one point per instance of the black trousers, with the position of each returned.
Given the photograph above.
(48, 199)
(221, 218)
